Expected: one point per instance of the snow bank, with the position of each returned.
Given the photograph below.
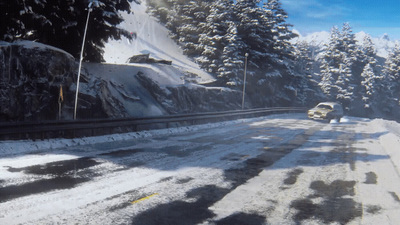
(390, 140)
(14, 148)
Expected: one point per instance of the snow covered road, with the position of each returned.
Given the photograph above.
(280, 169)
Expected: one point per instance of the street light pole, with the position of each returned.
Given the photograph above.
(81, 56)
(244, 79)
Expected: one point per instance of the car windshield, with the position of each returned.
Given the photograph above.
(324, 106)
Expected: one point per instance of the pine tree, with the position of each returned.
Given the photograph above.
(368, 50)
(343, 83)
(337, 67)
(251, 31)
(331, 59)
(270, 66)
(193, 14)
(257, 27)
(219, 33)
(304, 64)
(61, 23)
(212, 40)
(348, 41)
(232, 58)
(369, 82)
(160, 9)
(392, 69)
(346, 82)
(279, 28)
(391, 76)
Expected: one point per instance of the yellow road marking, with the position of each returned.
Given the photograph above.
(142, 199)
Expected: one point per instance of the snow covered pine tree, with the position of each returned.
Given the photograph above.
(61, 23)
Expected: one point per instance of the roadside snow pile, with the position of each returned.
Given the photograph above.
(13, 148)
(344, 119)
(390, 139)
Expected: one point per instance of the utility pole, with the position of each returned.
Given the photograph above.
(244, 79)
(81, 56)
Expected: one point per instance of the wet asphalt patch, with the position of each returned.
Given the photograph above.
(175, 150)
(135, 164)
(181, 212)
(57, 168)
(373, 209)
(179, 151)
(119, 206)
(253, 166)
(292, 176)
(242, 218)
(336, 206)
(184, 180)
(65, 174)
(122, 153)
(337, 188)
(346, 155)
(166, 179)
(371, 178)
(233, 157)
(16, 191)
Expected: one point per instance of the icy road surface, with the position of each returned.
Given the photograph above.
(280, 169)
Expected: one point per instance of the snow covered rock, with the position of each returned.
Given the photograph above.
(33, 77)
(190, 97)
(145, 58)
(30, 78)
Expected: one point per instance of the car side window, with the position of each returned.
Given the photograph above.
(325, 107)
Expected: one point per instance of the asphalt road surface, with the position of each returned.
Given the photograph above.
(283, 169)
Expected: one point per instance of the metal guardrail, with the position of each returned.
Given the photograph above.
(94, 127)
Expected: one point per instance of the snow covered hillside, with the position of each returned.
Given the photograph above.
(114, 89)
(151, 38)
(142, 89)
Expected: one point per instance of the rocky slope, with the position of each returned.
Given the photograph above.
(32, 75)
(30, 79)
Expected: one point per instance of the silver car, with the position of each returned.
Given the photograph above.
(326, 111)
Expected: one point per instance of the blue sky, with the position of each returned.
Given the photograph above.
(372, 16)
